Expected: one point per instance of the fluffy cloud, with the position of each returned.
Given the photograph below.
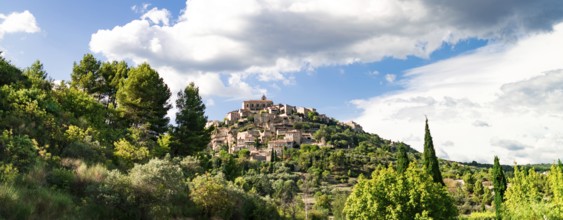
(267, 39)
(18, 22)
(503, 99)
(503, 93)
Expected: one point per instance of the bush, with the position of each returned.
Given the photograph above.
(8, 173)
(479, 216)
(113, 198)
(20, 151)
(12, 207)
(60, 178)
(159, 185)
(38, 203)
(393, 195)
(153, 190)
(216, 197)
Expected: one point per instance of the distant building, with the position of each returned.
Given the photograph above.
(256, 105)
(293, 136)
(279, 145)
(232, 117)
(355, 126)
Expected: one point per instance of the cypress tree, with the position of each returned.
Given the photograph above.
(429, 159)
(499, 184)
(402, 158)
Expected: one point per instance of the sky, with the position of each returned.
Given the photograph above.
(488, 74)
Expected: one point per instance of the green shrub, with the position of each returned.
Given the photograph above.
(12, 207)
(37, 203)
(159, 185)
(60, 178)
(20, 151)
(8, 173)
(479, 216)
(113, 198)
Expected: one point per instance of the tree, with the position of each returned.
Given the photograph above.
(402, 158)
(338, 203)
(555, 180)
(190, 134)
(429, 159)
(526, 197)
(143, 98)
(499, 186)
(37, 76)
(85, 74)
(10, 74)
(392, 195)
(113, 76)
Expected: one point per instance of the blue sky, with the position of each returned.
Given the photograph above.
(485, 73)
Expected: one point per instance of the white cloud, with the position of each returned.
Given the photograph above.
(17, 22)
(158, 16)
(269, 39)
(503, 99)
(140, 8)
(390, 77)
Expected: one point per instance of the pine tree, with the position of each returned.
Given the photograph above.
(143, 98)
(429, 159)
(85, 74)
(402, 158)
(190, 134)
(499, 184)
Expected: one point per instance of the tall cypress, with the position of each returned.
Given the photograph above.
(499, 184)
(402, 158)
(429, 159)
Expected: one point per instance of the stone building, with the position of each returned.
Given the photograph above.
(256, 105)
(232, 117)
(293, 136)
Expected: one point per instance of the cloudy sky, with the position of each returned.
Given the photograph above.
(487, 73)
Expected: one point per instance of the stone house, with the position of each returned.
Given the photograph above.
(256, 105)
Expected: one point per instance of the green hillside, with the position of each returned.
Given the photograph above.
(101, 147)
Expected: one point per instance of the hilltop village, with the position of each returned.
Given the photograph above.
(262, 127)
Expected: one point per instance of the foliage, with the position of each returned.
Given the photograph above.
(10, 74)
(393, 195)
(219, 198)
(526, 198)
(499, 183)
(143, 99)
(429, 159)
(18, 152)
(338, 203)
(34, 203)
(190, 134)
(402, 158)
(99, 146)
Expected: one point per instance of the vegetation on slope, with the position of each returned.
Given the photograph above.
(100, 147)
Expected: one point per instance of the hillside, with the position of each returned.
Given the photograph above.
(101, 147)
(261, 127)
